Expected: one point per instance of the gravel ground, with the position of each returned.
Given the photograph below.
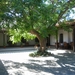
(18, 62)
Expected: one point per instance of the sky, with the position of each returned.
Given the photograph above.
(72, 15)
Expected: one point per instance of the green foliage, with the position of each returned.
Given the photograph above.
(66, 27)
(22, 16)
(16, 35)
(40, 53)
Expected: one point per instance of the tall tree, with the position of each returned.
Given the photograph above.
(37, 17)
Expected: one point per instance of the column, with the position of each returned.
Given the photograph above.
(74, 39)
(3, 39)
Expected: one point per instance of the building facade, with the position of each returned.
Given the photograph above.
(63, 36)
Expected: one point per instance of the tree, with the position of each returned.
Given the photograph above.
(37, 17)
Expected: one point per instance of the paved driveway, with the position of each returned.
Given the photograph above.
(18, 62)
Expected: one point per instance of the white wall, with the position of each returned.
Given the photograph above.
(52, 40)
(71, 36)
(67, 37)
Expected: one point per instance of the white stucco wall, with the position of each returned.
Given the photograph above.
(67, 37)
(71, 36)
(52, 40)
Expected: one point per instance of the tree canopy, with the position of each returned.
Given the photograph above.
(38, 17)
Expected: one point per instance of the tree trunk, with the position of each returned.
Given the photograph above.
(42, 40)
(57, 44)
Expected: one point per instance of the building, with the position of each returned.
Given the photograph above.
(64, 37)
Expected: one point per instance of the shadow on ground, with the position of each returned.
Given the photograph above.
(64, 65)
(2, 69)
